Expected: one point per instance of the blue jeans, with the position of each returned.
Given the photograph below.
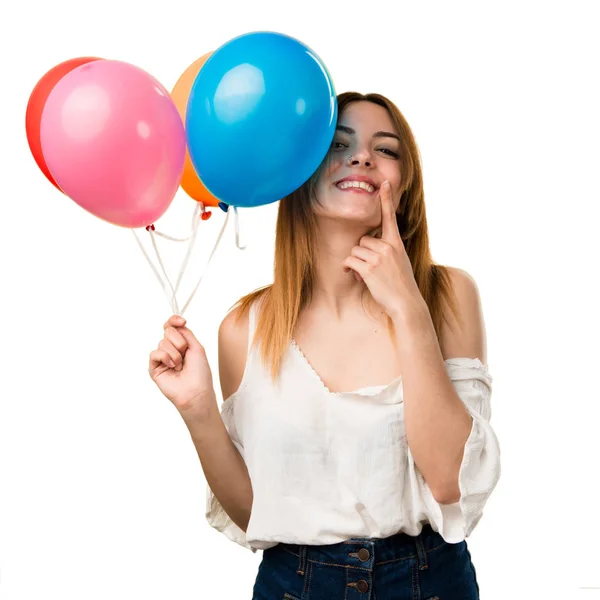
(399, 567)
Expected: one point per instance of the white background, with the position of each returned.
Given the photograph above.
(102, 493)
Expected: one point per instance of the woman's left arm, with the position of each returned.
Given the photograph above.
(437, 421)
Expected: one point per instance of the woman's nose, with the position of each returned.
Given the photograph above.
(360, 158)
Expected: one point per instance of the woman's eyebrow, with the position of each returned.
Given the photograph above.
(377, 134)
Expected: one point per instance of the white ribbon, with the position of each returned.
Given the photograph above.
(196, 218)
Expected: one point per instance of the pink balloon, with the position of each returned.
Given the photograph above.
(114, 142)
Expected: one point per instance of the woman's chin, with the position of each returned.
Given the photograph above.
(358, 210)
(354, 216)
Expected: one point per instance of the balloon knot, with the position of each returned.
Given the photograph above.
(205, 215)
(224, 207)
(149, 227)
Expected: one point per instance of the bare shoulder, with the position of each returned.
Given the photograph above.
(233, 345)
(464, 284)
(466, 339)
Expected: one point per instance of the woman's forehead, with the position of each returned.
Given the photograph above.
(362, 117)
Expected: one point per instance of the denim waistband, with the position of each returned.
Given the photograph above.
(366, 552)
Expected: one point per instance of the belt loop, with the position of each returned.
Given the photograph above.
(421, 553)
(301, 559)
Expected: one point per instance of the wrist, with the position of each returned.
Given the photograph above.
(415, 330)
(202, 408)
(409, 312)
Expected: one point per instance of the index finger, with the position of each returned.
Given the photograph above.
(389, 224)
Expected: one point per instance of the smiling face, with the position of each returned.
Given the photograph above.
(364, 153)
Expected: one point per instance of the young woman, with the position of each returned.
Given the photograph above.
(353, 445)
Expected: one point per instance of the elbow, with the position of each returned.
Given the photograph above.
(448, 492)
(241, 519)
(448, 495)
(243, 525)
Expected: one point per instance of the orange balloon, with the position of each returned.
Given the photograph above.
(190, 182)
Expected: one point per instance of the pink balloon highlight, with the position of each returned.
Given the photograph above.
(114, 142)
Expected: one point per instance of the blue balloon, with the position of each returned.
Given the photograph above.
(260, 118)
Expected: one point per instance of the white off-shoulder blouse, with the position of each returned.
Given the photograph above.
(329, 466)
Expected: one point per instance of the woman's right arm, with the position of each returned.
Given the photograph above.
(223, 466)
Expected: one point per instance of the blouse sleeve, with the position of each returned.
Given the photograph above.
(215, 513)
(480, 468)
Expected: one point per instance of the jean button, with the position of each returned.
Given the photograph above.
(362, 585)
(363, 554)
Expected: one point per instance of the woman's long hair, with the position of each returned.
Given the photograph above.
(294, 267)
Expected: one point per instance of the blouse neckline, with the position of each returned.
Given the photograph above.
(360, 391)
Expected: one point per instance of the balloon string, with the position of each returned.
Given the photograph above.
(207, 263)
(151, 229)
(237, 229)
(173, 239)
(172, 296)
(162, 283)
(195, 221)
(200, 208)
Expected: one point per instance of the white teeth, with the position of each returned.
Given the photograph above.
(356, 184)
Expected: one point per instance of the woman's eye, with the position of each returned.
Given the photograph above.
(389, 152)
(337, 145)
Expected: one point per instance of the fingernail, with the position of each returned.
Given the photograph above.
(180, 320)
